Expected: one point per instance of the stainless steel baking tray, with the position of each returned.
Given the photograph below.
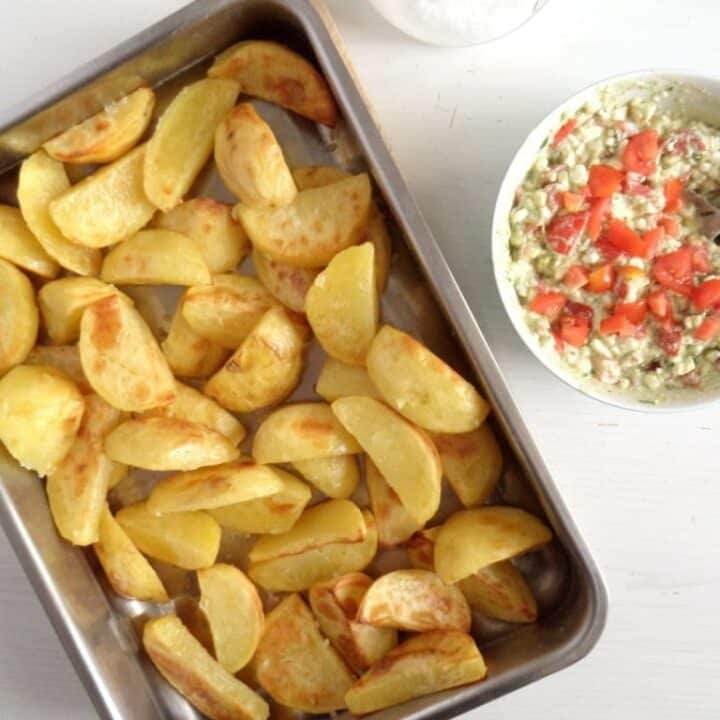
(98, 630)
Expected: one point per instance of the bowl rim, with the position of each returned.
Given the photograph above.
(684, 401)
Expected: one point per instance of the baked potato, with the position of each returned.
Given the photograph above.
(65, 358)
(338, 380)
(19, 316)
(395, 524)
(336, 477)
(20, 247)
(287, 284)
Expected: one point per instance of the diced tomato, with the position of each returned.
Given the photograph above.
(548, 304)
(709, 328)
(624, 238)
(673, 270)
(572, 201)
(601, 279)
(608, 250)
(659, 304)
(573, 325)
(564, 230)
(669, 338)
(604, 180)
(706, 295)
(576, 276)
(670, 225)
(635, 312)
(700, 259)
(630, 272)
(563, 132)
(673, 194)
(618, 324)
(641, 151)
(599, 208)
(634, 184)
(652, 239)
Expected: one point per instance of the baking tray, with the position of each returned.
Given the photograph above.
(99, 630)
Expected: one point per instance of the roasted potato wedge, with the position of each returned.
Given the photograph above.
(191, 405)
(210, 225)
(394, 523)
(162, 443)
(295, 665)
(40, 182)
(107, 135)
(250, 160)
(404, 454)
(190, 669)
(121, 358)
(422, 665)
(19, 317)
(183, 139)
(472, 463)
(227, 310)
(265, 368)
(19, 246)
(77, 487)
(336, 477)
(420, 386)
(62, 303)
(416, 601)
(272, 72)
(274, 514)
(107, 206)
(335, 604)
(213, 487)
(315, 176)
(342, 305)
(155, 257)
(338, 380)
(40, 413)
(316, 226)
(189, 540)
(473, 539)
(188, 354)
(421, 548)
(65, 358)
(287, 284)
(291, 573)
(303, 431)
(235, 614)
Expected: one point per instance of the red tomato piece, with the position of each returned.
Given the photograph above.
(673, 194)
(709, 328)
(572, 201)
(599, 208)
(563, 132)
(652, 239)
(576, 276)
(673, 271)
(669, 338)
(634, 184)
(635, 312)
(608, 250)
(640, 153)
(659, 304)
(601, 279)
(670, 224)
(706, 295)
(618, 324)
(548, 304)
(624, 238)
(574, 324)
(564, 230)
(700, 259)
(630, 272)
(604, 180)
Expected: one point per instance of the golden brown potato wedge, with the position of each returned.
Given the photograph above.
(472, 539)
(416, 601)
(62, 303)
(118, 472)
(127, 570)
(472, 463)
(274, 514)
(191, 405)
(250, 160)
(235, 614)
(422, 387)
(272, 72)
(155, 257)
(189, 540)
(41, 180)
(420, 666)
(19, 316)
(213, 487)
(293, 573)
(335, 604)
(227, 310)
(265, 368)
(107, 206)
(285, 283)
(338, 380)
(65, 358)
(295, 665)
(162, 443)
(316, 226)
(404, 454)
(187, 353)
(394, 523)
(121, 358)
(342, 305)
(108, 134)
(421, 548)
(210, 225)
(183, 139)
(336, 477)
(303, 431)
(77, 487)
(190, 669)
(315, 176)
(19, 246)
(40, 413)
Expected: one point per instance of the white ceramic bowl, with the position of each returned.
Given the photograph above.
(700, 98)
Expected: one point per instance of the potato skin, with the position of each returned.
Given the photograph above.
(19, 246)
(287, 284)
(19, 316)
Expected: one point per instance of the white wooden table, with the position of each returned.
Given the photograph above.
(643, 489)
